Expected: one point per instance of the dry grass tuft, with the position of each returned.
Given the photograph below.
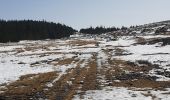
(81, 42)
(140, 40)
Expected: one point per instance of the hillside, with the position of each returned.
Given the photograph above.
(115, 65)
(157, 28)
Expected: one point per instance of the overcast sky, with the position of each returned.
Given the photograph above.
(85, 13)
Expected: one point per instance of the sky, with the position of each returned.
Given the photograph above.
(85, 13)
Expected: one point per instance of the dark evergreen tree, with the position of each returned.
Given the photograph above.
(98, 30)
(14, 30)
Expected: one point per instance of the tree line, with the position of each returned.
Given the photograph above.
(16, 30)
(98, 30)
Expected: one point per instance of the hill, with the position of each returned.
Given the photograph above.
(157, 28)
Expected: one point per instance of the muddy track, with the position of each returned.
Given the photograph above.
(80, 78)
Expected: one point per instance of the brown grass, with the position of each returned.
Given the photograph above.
(119, 51)
(39, 46)
(141, 81)
(149, 95)
(81, 42)
(65, 61)
(90, 80)
(81, 78)
(140, 40)
(19, 50)
(28, 85)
